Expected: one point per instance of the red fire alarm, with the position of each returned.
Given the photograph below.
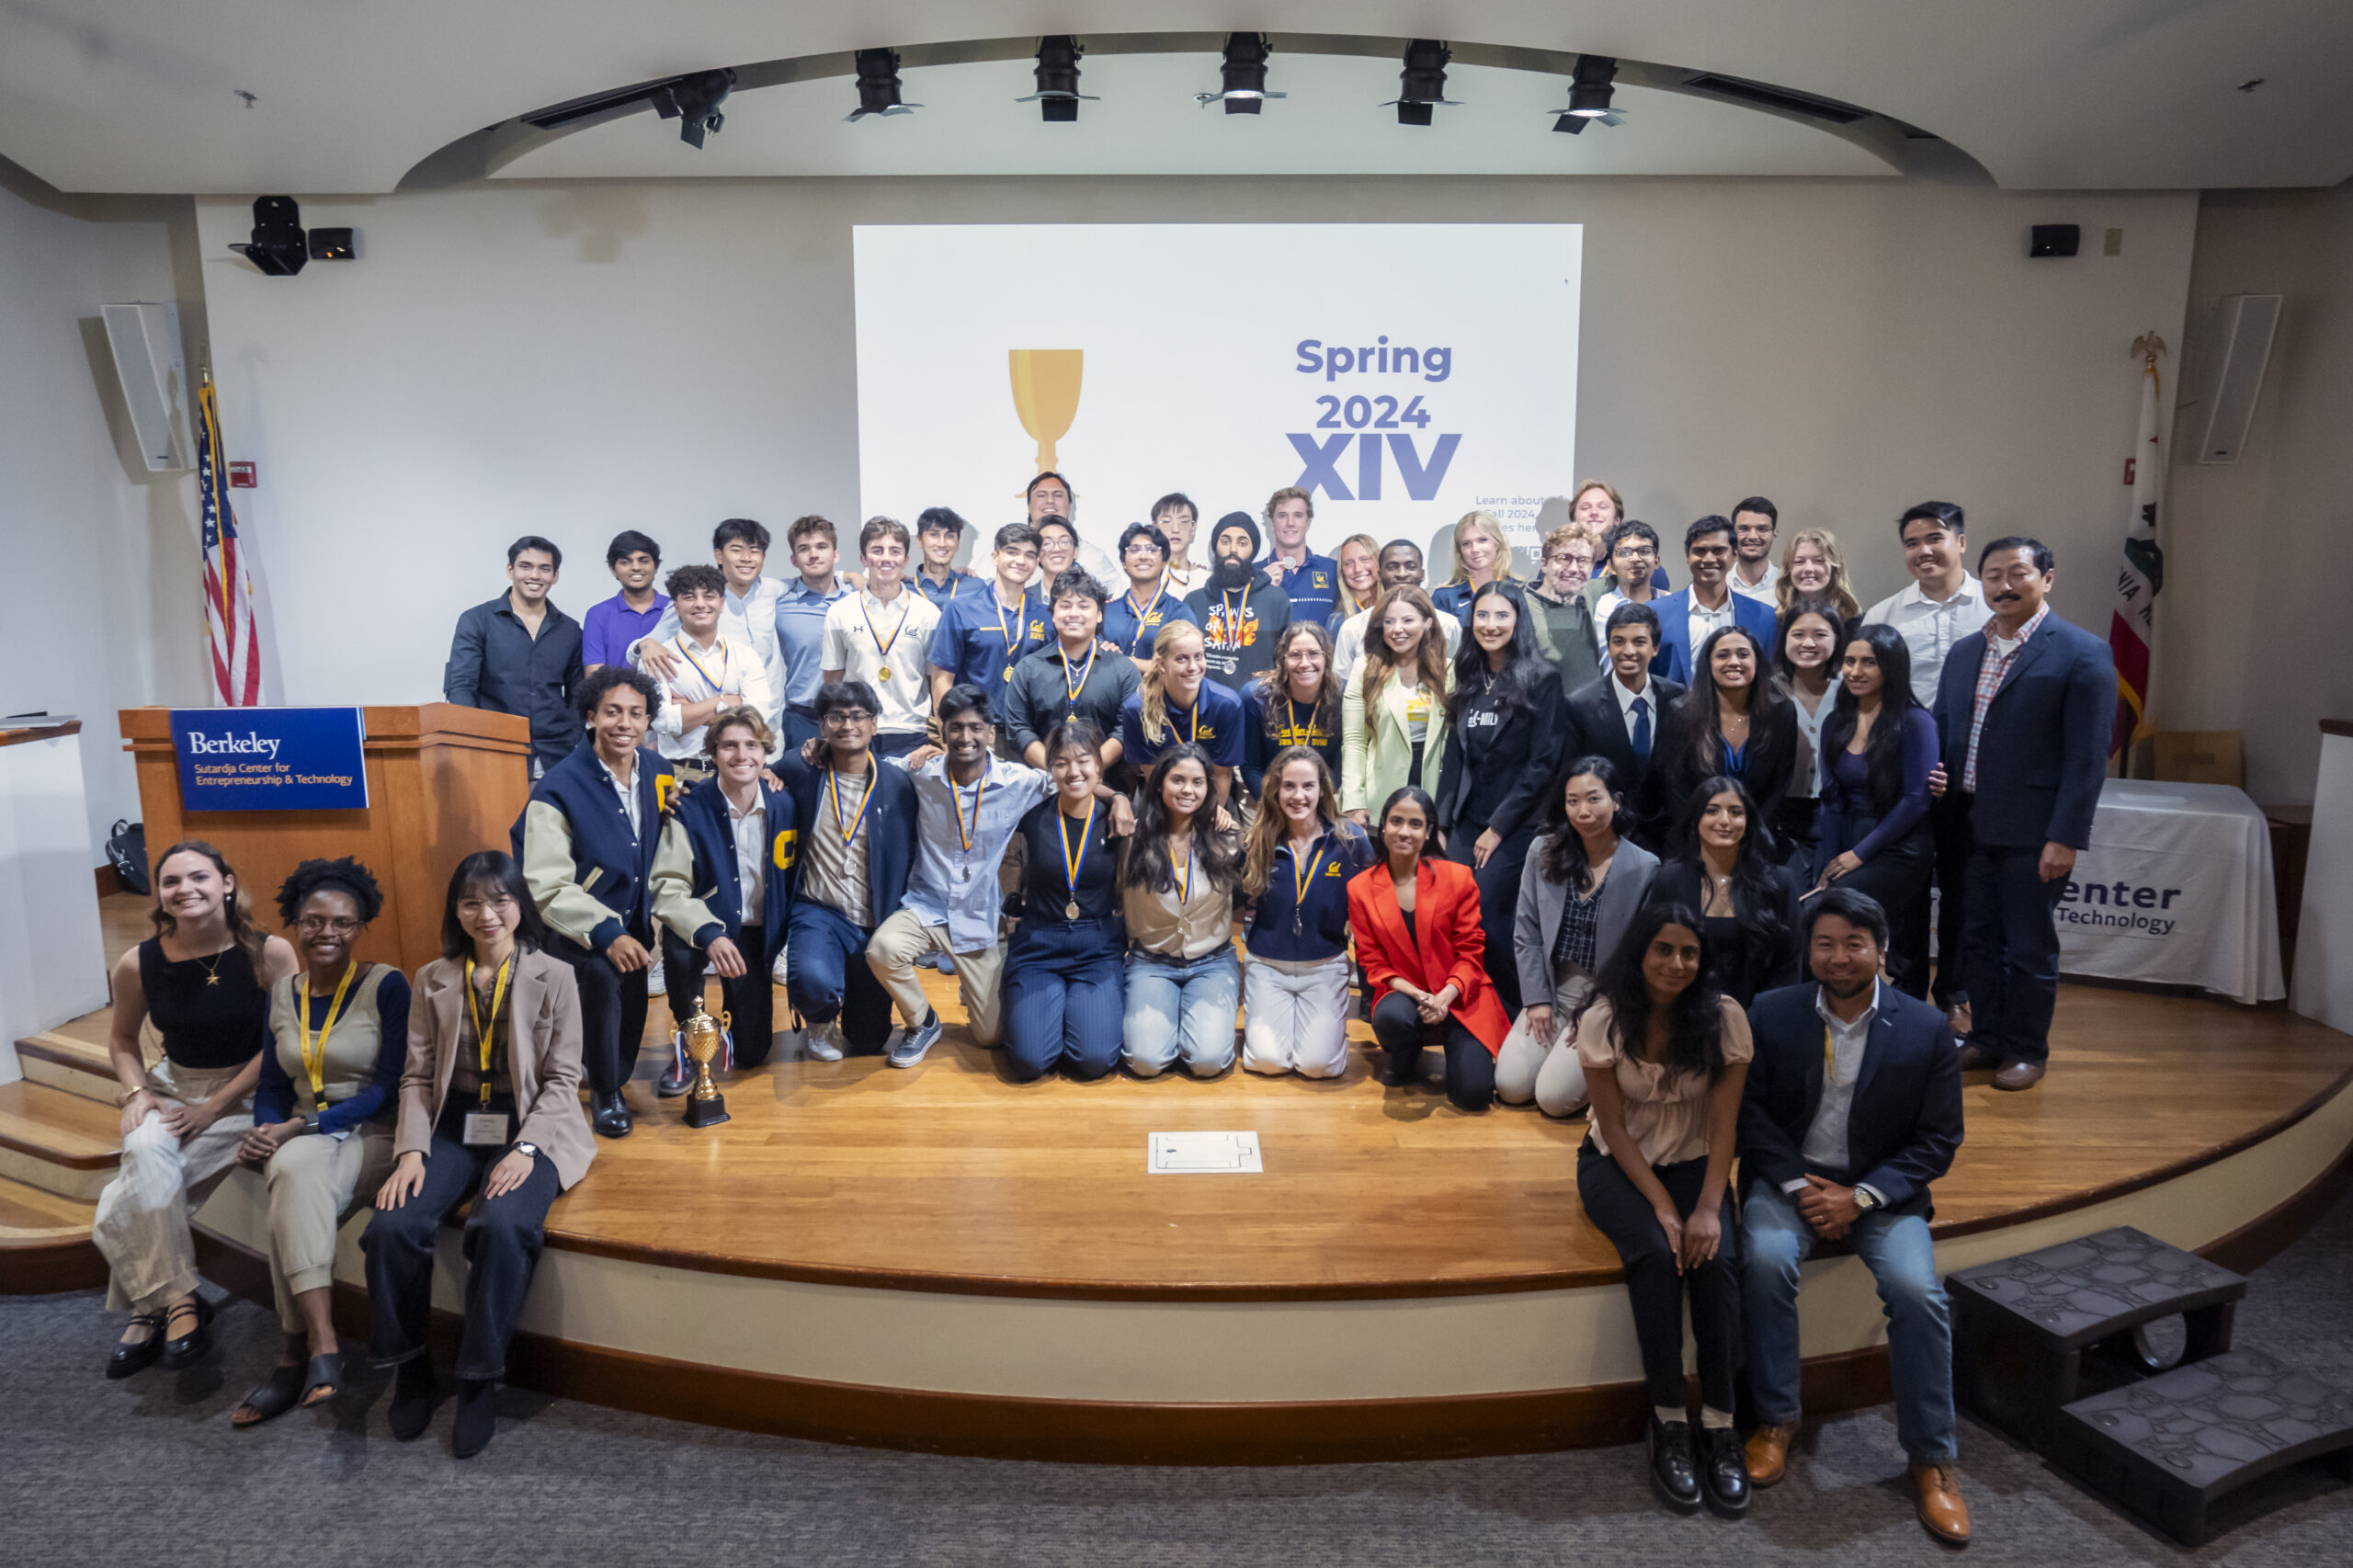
(241, 476)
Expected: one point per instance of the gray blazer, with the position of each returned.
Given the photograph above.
(1538, 924)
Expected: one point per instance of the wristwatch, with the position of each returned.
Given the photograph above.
(1864, 1200)
(530, 1149)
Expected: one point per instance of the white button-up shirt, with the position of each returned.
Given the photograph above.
(1825, 1139)
(628, 792)
(728, 667)
(750, 825)
(1763, 591)
(1931, 627)
(1704, 622)
(1648, 697)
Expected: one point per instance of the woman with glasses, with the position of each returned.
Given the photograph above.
(323, 1116)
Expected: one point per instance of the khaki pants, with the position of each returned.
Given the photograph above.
(903, 938)
(142, 1220)
(314, 1183)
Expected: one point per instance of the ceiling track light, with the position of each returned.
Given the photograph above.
(878, 84)
(693, 101)
(1423, 81)
(1245, 75)
(1590, 90)
(1057, 97)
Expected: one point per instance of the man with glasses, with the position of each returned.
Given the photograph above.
(1688, 617)
(858, 835)
(1153, 599)
(1634, 577)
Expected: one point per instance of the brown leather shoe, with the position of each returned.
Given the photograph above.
(1942, 1512)
(1768, 1453)
(2019, 1075)
(1977, 1059)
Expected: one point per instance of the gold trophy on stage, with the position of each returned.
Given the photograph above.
(1045, 394)
(705, 1106)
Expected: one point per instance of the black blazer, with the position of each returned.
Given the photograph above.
(1597, 728)
(1495, 776)
(1772, 763)
(2044, 753)
(1763, 964)
(1905, 1121)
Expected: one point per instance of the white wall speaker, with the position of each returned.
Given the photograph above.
(2241, 347)
(148, 361)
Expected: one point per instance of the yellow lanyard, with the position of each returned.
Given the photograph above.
(1071, 863)
(1294, 732)
(967, 834)
(849, 822)
(1233, 616)
(716, 683)
(316, 1067)
(1185, 881)
(882, 649)
(1012, 645)
(1302, 881)
(1144, 616)
(483, 1030)
(1084, 674)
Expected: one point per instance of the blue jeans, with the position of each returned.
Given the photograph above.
(1061, 997)
(1182, 1005)
(827, 976)
(1895, 1248)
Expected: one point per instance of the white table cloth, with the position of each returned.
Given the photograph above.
(2176, 890)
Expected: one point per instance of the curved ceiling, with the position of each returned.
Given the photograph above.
(131, 95)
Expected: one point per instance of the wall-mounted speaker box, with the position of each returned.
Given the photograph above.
(2054, 239)
(145, 341)
(2239, 345)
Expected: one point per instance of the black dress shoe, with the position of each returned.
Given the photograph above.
(127, 1358)
(611, 1118)
(179, 1352)
(1675, 1475)
(412, 1408)
(477, 1419)
(1978, 1059)
(1723, 1472)
(676, 1081)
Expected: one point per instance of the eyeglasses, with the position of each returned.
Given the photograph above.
(848, 718)
(312, 925)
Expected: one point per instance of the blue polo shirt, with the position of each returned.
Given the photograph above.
(800, 638)
(1334, 856)
(1132, 632)
(970, 643)
(1213, 723)
(1312, 587)
(608, 630)
(959, 585)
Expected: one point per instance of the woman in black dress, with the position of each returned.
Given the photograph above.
(1748, 905)
(1733, 722)
(1506, 725)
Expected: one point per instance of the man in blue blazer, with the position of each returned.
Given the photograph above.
(722, 882)
(2024, 706)
(858, 839)
(1852, 1107)
(1687, 616)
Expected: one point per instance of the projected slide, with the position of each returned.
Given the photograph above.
(1403, 374)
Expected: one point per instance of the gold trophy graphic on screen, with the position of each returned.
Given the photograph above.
(1045, 393)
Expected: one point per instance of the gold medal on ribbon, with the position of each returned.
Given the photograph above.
(1072, 864)
(882, 646)
(1144, 616)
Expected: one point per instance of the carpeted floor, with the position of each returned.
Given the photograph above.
(148, 1473)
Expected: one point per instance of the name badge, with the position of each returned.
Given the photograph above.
(487, 1128)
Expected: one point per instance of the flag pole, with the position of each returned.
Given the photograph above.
(2131, 631)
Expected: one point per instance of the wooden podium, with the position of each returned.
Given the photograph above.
(443, 781)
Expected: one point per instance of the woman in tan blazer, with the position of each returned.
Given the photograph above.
(501, 1117)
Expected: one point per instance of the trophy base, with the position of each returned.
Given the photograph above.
(707, 1113)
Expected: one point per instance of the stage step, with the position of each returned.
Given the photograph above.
(45, 1241)
(2178, 1448)
(59, 1142)
(2021, 1325)
(62, 1062)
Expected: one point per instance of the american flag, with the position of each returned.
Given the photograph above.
(228, 581)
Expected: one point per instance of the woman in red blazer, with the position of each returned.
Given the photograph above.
(1418, 937)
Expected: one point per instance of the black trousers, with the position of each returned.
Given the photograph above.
(612, 1014)
(1498, 882)
(1655, 1289)
(750, 1001)
(2013, 952)
(504, 1235)
(1948, 826)
(1469, 1067)
(1897, 878)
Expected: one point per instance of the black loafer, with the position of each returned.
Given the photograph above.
(611, 1119)
(412, 1408)
(1723, 1472)
(1675, 1473)
(179, 1352)
(127, 1358)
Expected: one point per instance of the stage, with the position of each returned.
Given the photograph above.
(941, 1259)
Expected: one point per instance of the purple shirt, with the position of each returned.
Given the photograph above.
(608, 630)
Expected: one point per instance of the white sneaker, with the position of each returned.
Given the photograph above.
(822, 1042)
(658, 982)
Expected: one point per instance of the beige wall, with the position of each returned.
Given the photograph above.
(2253, 613)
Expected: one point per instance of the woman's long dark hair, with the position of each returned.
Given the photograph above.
(1419, 797)
(1827, 611)
(1274, 689)
(1695, 1022)
(1756, 885)
(1143, 859)
(1768, 730)
(1883, 752)
(236, 909)
(1524, 663)
(1564, 858)
(490, 870)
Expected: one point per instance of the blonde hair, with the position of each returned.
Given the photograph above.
(1491, 526)
(1568, 532)
(747, 717)
(1429, 657)
(1347, 594)
(1785, 592)
(1616, 502)
(1268, 827)
(1289, 493)
(1153, 708)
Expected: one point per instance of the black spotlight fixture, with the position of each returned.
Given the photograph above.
(693, 101)
(878, 84)
(1246, 75)
(1423, 81)
(278, 245)
(1057, 97)
(1589, 92)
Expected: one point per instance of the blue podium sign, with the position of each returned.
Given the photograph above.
(270, 759)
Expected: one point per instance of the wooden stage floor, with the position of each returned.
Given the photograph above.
(950, 1177)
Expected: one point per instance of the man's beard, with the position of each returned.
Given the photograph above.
(1231, 572)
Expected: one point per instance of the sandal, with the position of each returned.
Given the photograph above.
(324, 1379)
(279, 1394)
(130, 1355)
